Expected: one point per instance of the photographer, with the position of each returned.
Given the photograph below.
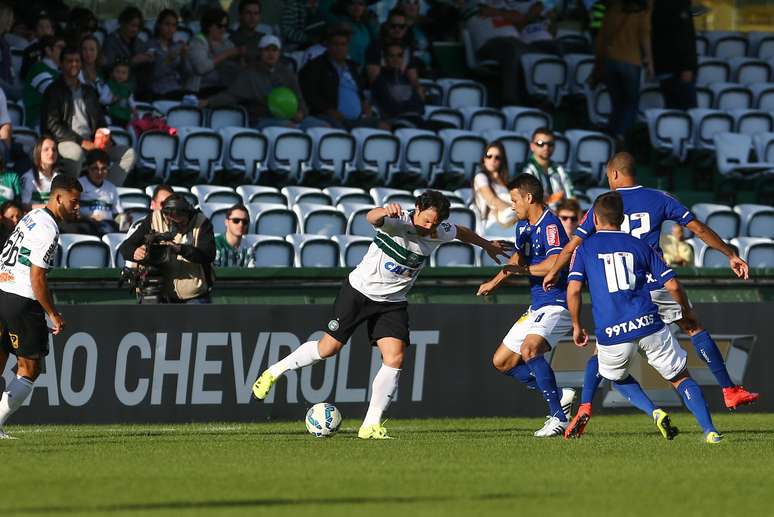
(177, 244)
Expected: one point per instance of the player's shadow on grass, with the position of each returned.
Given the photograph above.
(248, 503)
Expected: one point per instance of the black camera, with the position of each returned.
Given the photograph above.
(146, 280)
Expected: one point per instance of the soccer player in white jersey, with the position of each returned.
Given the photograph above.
(25, 299)
(375, 292)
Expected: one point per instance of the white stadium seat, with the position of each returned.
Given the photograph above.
(720, 218)
(272, 219)
(352, 249)
(261, 194)
(83, 251)
(320, 219)
(296, 195)
(314, 250)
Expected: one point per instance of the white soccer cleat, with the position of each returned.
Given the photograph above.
(568, 397)
(552, 427)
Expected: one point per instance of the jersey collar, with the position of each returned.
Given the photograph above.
(629, 188)
(545, 211)
(610, 231)
(49, 212)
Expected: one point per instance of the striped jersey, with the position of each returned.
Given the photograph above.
(34, 241)
(395, 258)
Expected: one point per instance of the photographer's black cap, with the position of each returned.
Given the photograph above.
(176, 204)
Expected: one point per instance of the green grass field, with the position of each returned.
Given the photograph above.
(432, 467)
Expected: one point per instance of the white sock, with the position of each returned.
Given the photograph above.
(16, 393)
(384, 385)
(304, 355)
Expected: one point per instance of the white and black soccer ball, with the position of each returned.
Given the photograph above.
(323, 420)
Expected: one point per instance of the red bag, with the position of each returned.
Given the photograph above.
(151, 122)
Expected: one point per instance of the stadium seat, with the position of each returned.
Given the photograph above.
(516, 148)
(164, 106)
(462, 92)
(133, 196)
(308, 195)
(245, 153)
(320, 219)
(481, 67)
(314, 250)
(712, 70)
(382, 196)
(352, 249)
(546, 76)
(271, 251)
(421, 153)
(184, 116)
(461, 215)
(755, 220)
(16, 113)
(261, 194)
(156, 152)
(378, 152)
(463, 153)
(450, 195)
(752, 122)
(433, 91)
(579, 68)
(231, 116)
(481, 119)
(590, 153)
(598, 105)
(465, 194)
(114, 240)
(704, 256)
(524, 120)
(289, 152)
(756, 251)
(355, 214)
(272, 219)
(216, 213)
(444, 114)
(732, 155)
(348, 195)
(183, 191)
(671, 131)
(747, 70)
(720, 218)
(707, 123)
(562, 150)
(764, 147)
(702, 45)
(729, 96)
(454, 253)
(216, 194)
(763, 96)
(200, 153)
(705, 97)
(650, 98)
(485, 260)
(761, 45)
(83, 251)
(143, 108)
(121, 136)
(333, 152)
(726, 45)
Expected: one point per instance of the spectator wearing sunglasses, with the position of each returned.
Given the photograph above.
(394, 31)
(557, 184)
(568, 213)
(230, 249)
(492, 198)
(214, 58)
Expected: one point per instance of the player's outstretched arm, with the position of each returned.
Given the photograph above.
(562, 261)
(714, 241)
(574, 301)
(488, 287)
(376, 216)
(493, 248)
(677, 292)
(42, 293)
(536, 269)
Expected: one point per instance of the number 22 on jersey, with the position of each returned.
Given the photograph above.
(643, 226)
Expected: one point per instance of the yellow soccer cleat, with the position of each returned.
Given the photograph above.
(713, 437)
(373, 432)
(661, 419)
(263, 385)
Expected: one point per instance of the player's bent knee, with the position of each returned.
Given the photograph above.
(679, 378)
(329, 346)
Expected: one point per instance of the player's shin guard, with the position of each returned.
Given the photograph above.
(591, 380)
(546, 381)
(384, 385)
(16, 393)
(522, 373)
(631, 389)
(708, 351)
(304, 355)
(694, 400)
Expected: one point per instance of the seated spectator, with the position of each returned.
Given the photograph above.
(36, 182)
(230, 250)
(420, 42)
(331, 85)
(568, 213)
(10, 184)
(246, 34)
(171, 67)
(394, 31)
(355, 14)
(40, 77)
(121, 105)
(537, 30)
(123, 44)
(677, 252)
(34, 52)
(252, 87)
(557, 184)
(81, 22)
(300, 23)
(213, 57)
(6, 129)
(491, 195)
(91, 68)
(71, 112)
(10, 214)
(8, 81)
(100, 205)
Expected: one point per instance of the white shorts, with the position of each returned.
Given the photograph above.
(552, 322)
(661, 350)
(668, 309)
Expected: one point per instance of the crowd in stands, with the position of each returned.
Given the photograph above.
(323, 64)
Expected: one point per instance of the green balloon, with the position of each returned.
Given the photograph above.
(283, 103)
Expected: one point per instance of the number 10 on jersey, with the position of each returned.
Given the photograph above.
(619, 270)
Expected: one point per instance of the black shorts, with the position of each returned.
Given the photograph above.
(385, 319)
(23, 329)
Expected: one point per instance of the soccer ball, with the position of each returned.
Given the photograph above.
(323, 420)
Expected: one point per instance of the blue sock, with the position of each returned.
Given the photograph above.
(546, 381)
(522, 373)
(631, 389)
(694, 400)
(709, 353)
(591, 380)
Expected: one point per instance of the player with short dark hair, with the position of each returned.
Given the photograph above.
(539, 238)
(375, 292)
(616, 267)
(25, 299)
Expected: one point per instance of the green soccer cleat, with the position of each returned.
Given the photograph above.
(713, 437)
(263, 385)
(661, 419)
(373, 432)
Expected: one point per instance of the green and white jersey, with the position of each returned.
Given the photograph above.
(396, 257)
(99, 200)
(34, 241)
(227, 255)
(36, 193)
(10, 186)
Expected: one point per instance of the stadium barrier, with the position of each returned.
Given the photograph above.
(181, 364)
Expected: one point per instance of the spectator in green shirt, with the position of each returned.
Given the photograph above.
(230, 250)
(10, 185)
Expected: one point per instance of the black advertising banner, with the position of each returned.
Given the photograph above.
(198, 363)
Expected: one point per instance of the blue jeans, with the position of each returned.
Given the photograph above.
(623, 82)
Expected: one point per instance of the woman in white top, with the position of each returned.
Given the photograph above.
(491, 195)
(36, 182)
